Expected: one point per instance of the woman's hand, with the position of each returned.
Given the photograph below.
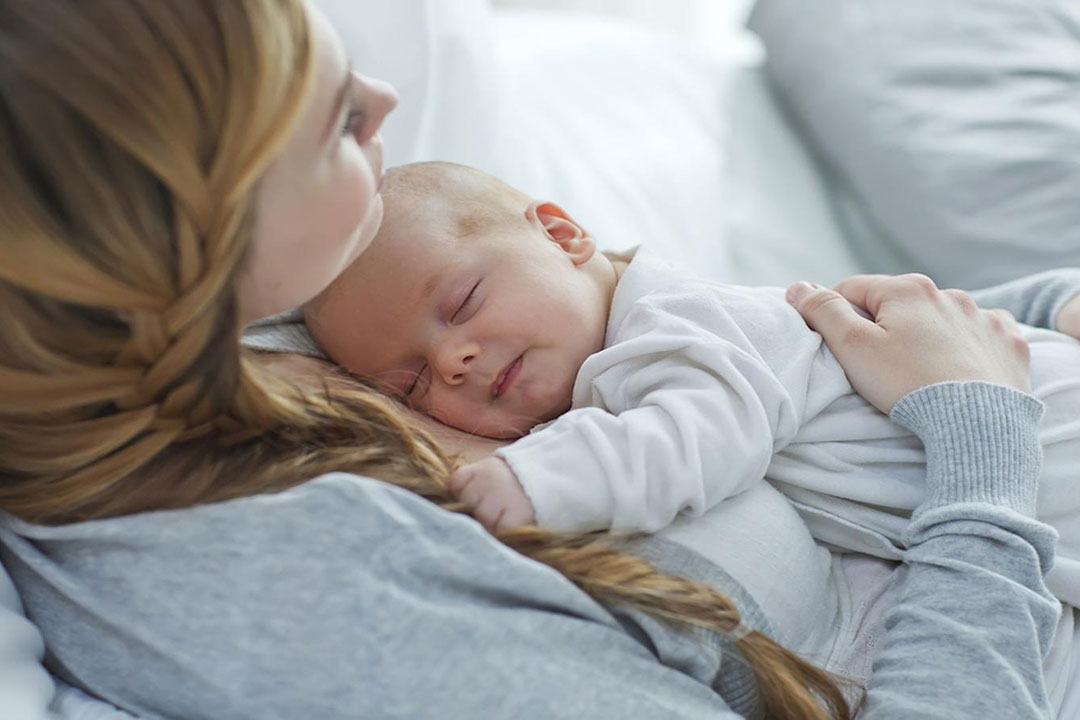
(1068, 320)
(918, 335)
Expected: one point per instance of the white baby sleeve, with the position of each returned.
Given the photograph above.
(685, 419)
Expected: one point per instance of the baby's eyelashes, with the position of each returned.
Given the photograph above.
(467, 305)
(418, 386)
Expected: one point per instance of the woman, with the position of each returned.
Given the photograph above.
(174, 169)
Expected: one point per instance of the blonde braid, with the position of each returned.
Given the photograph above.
(71, 246)
(127, 170)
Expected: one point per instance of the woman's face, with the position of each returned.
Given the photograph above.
(317, 206)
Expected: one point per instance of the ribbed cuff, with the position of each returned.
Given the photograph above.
(981, 443)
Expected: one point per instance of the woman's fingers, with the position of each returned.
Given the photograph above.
(871, 291)
(919, 335)
(831, 314)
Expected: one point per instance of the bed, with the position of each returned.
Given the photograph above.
(686, 148)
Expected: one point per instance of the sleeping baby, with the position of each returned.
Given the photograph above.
(636, 393)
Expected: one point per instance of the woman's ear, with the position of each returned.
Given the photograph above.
(563, 230)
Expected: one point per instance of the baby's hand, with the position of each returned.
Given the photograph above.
(491, 490)
(1068, 320)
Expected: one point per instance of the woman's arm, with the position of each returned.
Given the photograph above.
(1049, 300)
(973, 618)
(973, 615)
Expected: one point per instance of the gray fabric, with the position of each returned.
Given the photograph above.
(1035, 300)
(346, 598)
(955, 648)
(948, 131)
(341, 598)
(284, 332)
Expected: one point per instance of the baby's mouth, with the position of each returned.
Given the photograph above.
(506, 377)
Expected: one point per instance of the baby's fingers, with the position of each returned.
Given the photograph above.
(458, 480)
(466, 484)
(491, 512)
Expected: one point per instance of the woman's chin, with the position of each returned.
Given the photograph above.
(369, 227)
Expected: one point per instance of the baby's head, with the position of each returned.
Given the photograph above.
(475, 303)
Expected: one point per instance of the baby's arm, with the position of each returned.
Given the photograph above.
(1049, 299)
(684, 408)
(691, 435)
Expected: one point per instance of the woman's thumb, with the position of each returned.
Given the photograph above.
(829, 313)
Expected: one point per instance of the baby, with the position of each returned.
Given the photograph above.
(494, 312)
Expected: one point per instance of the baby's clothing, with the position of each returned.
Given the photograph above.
(702, 389)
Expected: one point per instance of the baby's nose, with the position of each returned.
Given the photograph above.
(454, 365)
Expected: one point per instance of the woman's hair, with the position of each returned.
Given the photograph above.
(132, 137)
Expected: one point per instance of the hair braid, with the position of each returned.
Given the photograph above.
(126, 181)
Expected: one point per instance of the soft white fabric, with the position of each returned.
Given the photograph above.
(784, 570)
(1070, 705)
(703, 388)
(439, 57)
(71, 703)
(781, 226)
(25, 688)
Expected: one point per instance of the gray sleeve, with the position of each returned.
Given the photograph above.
(340, 598)
(284, 332)
(967, 636)
(1036, 299)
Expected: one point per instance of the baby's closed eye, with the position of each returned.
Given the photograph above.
(417, 387)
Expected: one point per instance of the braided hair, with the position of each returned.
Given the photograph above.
(133, 134)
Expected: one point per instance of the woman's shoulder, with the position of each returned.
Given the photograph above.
(323, 515)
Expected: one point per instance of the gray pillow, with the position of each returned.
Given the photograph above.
(948, 130)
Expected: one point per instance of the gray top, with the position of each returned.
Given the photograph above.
(345, 598)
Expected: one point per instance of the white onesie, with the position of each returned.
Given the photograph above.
(702, 389)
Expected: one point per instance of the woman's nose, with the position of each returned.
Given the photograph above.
(453, 362)
(381, 97)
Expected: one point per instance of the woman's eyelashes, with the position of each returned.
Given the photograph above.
(354, 125)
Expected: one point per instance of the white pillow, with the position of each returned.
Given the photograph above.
(439, 57)
(950, 130)
(782, 226)
(621, 125)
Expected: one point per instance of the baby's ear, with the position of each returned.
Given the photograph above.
(563, 230)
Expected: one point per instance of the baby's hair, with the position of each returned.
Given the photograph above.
(470, 200)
